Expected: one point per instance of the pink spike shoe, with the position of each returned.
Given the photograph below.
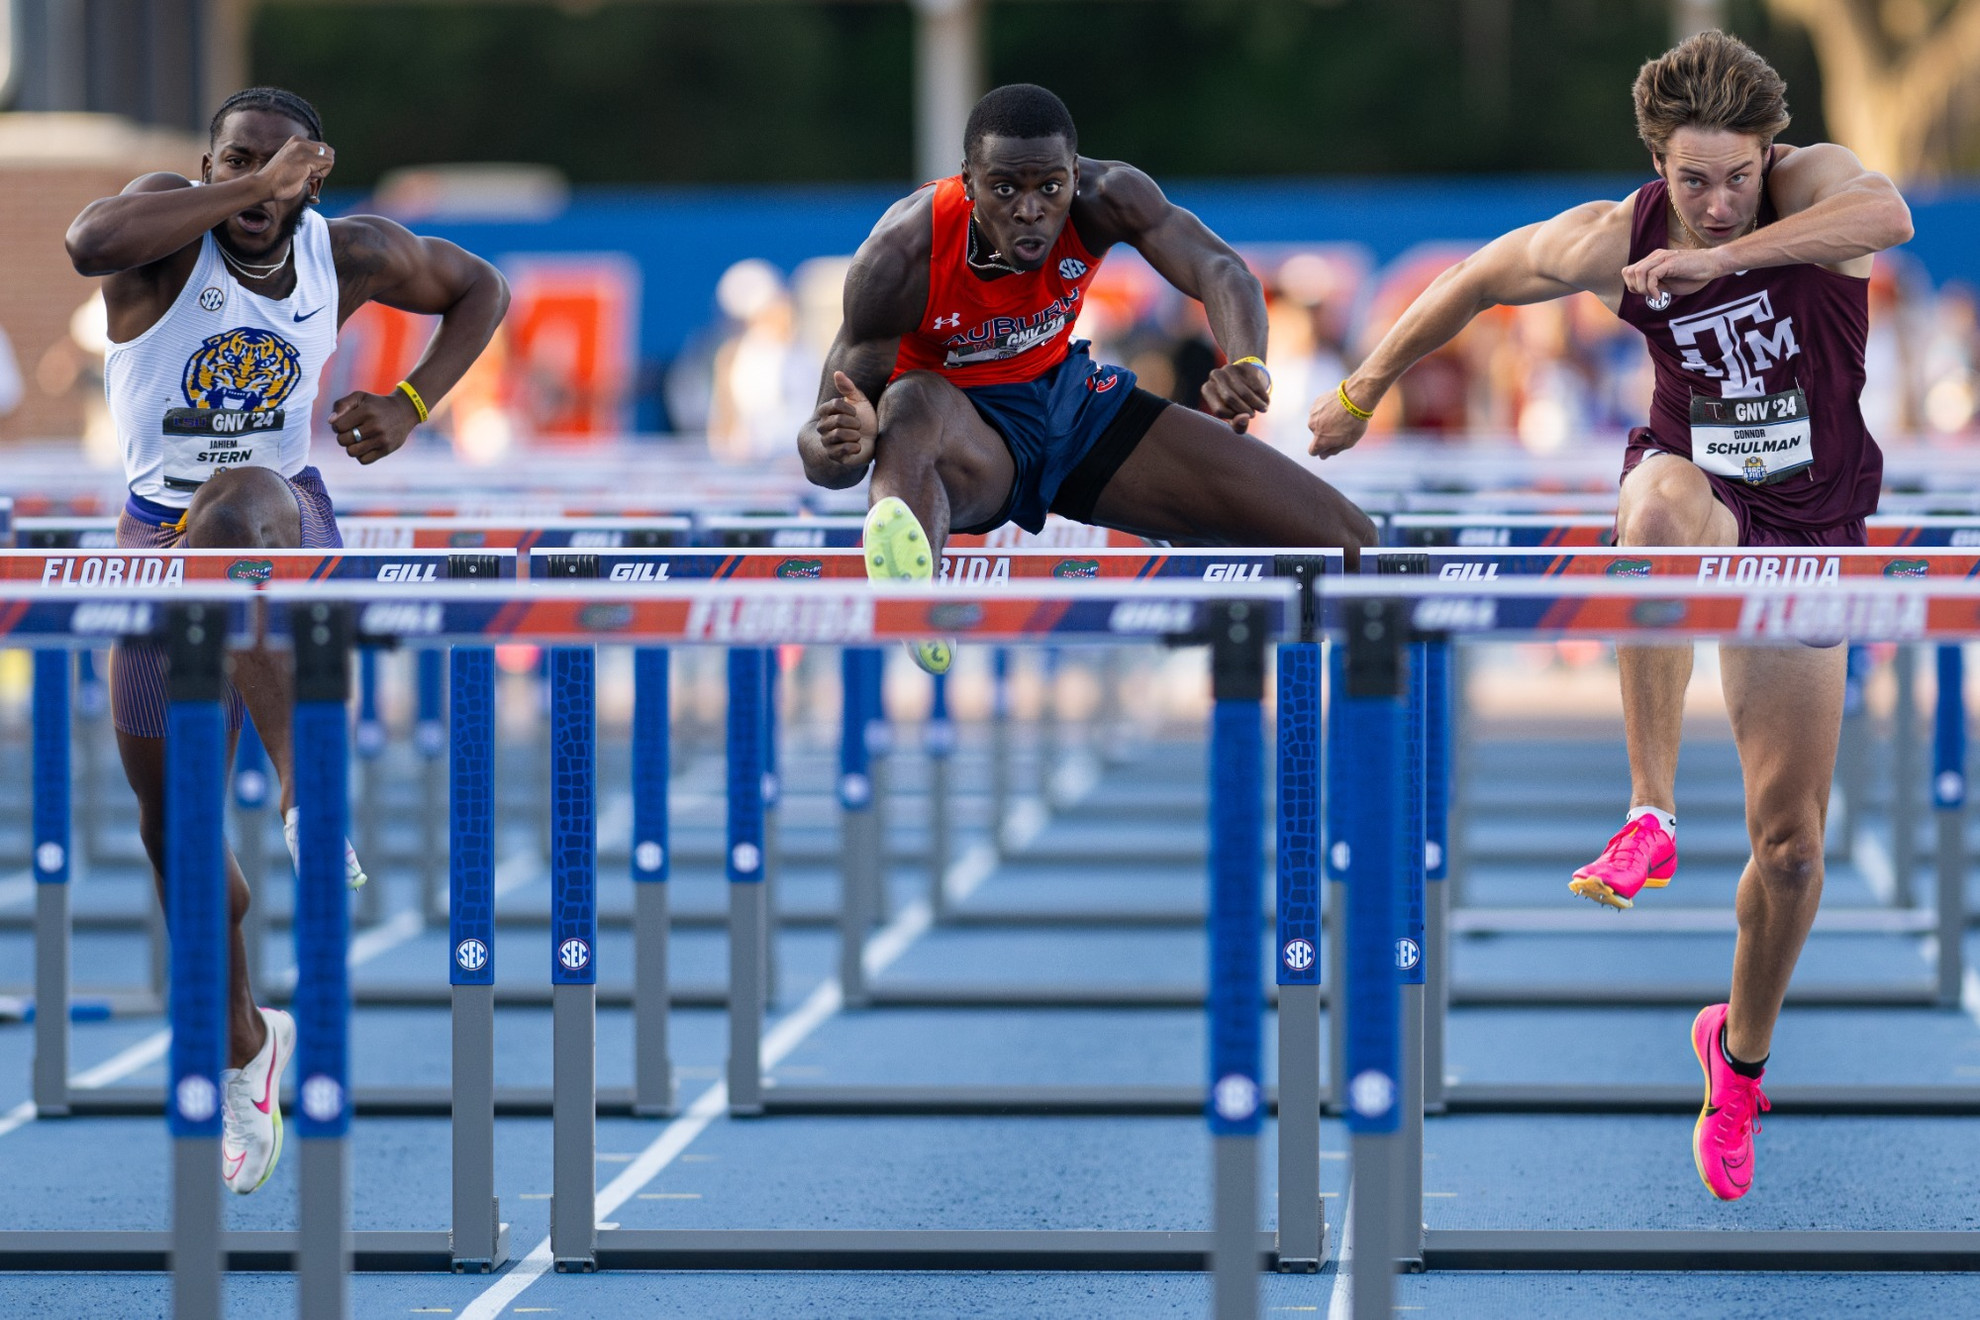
(1642, 855)
(1722, 1141)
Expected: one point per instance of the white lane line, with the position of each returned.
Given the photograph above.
(1969, 994)
(788, 1033)
(1873, 862)
(1340, 1302)
(615, 822)
(20, 1115)
(511, 874)
(963, 876)
(967, 874)
(16, 889)
(125, 1062)
(151, 1049)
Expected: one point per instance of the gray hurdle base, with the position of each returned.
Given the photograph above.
(1820, 1250)
(1235, 1248)
(1947, 919)
(1376, 1155)
(1153, 1101)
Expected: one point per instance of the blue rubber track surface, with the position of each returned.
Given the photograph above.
(1134, 842)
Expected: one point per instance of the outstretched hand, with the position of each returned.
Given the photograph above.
(1335, 429)
(1236, 393)
(370, 426)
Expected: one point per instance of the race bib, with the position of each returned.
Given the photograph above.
(202, 441)
(1758, 441)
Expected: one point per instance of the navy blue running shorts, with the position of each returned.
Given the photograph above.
(1068, 431)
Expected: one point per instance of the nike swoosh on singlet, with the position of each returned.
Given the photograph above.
(304, 316)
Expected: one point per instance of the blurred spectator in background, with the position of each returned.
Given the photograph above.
(1948, 363)
(72, 368)
(764, 385)
(1551, 377)
(11, 387)
(1900, 325)
(1310, 298)
(1435, 396)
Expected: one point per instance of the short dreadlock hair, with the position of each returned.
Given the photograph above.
(276, 99)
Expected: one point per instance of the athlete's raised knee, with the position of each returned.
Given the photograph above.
(915, 398)
(1357, 528)
(248, 508)
(1669, 503)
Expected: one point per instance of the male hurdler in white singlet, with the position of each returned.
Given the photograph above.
(224, 299)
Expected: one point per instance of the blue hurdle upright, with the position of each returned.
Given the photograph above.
(1371, 855)
(196, 904)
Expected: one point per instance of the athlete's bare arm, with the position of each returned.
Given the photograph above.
(381, 261)
(1117, 203)
(146, 238)
(1580, 250)
(886, 294)
(1833, 213)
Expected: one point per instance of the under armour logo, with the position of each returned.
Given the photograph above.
(949, 322)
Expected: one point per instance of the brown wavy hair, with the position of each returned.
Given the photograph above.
(1710, 80)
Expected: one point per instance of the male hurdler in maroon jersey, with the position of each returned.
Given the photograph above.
(1745, 264)
(1758, 376)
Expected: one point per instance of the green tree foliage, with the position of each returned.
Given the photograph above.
(623, 93)
(776, 92)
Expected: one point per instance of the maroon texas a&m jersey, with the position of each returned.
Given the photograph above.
(1758, 376)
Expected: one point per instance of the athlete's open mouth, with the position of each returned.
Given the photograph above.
(255, 220)
(1029, 249)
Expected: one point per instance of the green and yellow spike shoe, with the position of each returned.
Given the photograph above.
(897, 550)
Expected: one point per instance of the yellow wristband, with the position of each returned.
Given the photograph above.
(1340, 392)
(419, 405)
(1258, 362)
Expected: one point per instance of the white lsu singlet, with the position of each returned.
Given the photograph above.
(226, 378)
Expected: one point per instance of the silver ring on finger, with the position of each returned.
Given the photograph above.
(357, 436)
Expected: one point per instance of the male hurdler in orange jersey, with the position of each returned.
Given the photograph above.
(956, 379)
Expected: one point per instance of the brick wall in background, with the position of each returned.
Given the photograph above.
(51, 166)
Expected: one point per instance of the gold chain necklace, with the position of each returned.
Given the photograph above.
(1692, 235)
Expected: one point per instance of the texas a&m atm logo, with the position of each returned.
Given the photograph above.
(1735, 343)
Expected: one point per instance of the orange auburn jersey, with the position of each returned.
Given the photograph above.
(993, 332)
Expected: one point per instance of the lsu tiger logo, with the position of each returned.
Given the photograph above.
(244, 369)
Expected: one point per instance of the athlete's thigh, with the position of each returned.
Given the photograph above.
(1786, 704)
(923, 416)
(1193, 478)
